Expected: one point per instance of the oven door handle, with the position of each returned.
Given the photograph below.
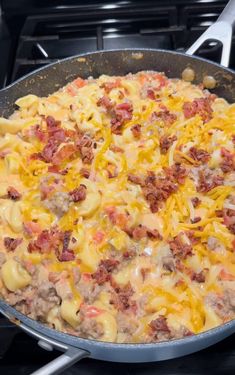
(220, 31)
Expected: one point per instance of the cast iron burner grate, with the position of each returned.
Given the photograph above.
(46, 37)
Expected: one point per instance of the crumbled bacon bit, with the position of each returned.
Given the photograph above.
(37, 132)
(150, 94)
(66, 256)
(135, 179)
(198, 276)
(116, 127)
(157, 189)
(121, 299)
(158, 192)
(52, 124)
(166, 142)
(228, 163)
(229, 218)
(101, 276)
(195, 202)
(48, 151)
(105, 102)
(199, 154)
(179, 248)
(233, 139)
(104, 270)
(165, 115)
(200, 106)
(159, 326)
(54, 130)
(12, 243)
(78, 194)
(117, 218)
(54, 136)
(191, 236)
(13, 194)
(109, 264)
(129, 254)
(85, 146)
(208, 180)
(142, 231)
(136, 130)
(177, 172)
(47, 241)
(84, 172)
(151, 178)
(109, 86)
(121, 113)
(65, 152)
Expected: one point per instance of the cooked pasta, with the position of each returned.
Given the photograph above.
(117, 208)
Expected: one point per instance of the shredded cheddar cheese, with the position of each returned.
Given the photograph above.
(117, 209)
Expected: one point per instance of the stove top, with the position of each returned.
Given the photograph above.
(35, 33)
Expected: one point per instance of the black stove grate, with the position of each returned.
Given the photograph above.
(46, 37)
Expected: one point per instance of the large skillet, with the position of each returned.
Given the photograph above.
(120, 62)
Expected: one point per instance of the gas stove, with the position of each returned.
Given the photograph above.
(33, 34)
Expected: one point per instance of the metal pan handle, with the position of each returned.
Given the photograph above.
(61, 363)
(221, 31)
(70, 354)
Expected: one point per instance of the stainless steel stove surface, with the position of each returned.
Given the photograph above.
(35, 33)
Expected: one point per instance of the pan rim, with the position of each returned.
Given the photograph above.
(60, 61)
(65, 338)
(38, 327)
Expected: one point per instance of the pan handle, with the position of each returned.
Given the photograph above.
(61, 363)
(221, 31)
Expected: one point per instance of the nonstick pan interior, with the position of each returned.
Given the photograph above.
(117, 62)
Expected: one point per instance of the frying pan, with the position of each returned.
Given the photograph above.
(120, 62)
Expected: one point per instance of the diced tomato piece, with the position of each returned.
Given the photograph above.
(161, 79)
(92, 311)
(70, 90)
(79, 82)
(86, 276)
(226, 276)
(98, 236)
(32, 228)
